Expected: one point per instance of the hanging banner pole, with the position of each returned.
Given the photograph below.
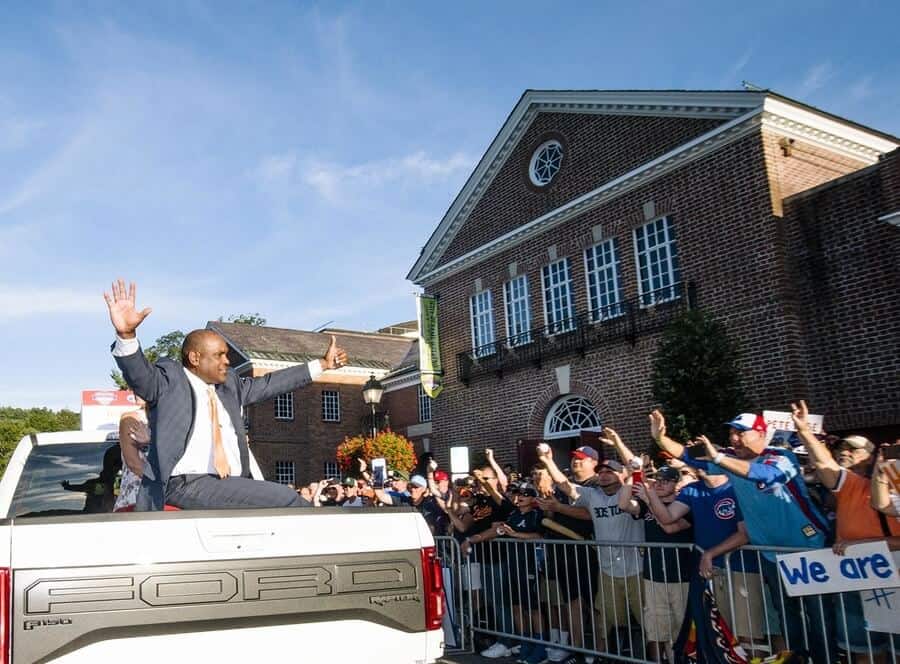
(429, 345)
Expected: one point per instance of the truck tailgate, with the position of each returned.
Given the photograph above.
(248, 584)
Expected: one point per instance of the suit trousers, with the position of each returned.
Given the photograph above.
(204, 492)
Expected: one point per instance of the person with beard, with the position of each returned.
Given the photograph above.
(666, 571)
(848, 479)
(489, 510)
(778, 511)
(619, 580)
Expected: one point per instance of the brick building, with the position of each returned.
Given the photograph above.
(595, 216)
(294, 436)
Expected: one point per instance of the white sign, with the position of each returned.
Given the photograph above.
(863, 566)
(778, 421)
(459, 460)
(881, 607)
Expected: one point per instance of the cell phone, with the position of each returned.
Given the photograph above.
(379, 473)
(891, 452)
(696, 451)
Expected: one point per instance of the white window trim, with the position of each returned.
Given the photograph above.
(422, 397)
(637, 265)
(472, 326)
(293, 470)
(534, 156)
(337, 403)
(553, 435)
(506, 310)
(328, 465)
(290, 396)
(617, 265)
(547, 323)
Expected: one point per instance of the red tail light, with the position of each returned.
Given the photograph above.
(5, 614)
(433, 581)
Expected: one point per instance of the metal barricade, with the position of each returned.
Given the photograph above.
(458, 635)
(627, 601)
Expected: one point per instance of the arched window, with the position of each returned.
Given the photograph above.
(569, 416)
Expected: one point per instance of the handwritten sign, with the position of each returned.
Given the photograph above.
(863, 566)
(778, 422)
(881, 606)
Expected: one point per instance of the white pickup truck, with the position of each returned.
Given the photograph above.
(81, 584)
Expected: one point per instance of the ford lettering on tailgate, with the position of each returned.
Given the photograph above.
(70, 604)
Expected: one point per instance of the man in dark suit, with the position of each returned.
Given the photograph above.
(198, 456)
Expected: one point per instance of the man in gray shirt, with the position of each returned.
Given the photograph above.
(619, 584)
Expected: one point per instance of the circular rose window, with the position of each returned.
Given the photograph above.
(545, 163)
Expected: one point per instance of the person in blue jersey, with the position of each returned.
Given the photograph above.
(777, 510)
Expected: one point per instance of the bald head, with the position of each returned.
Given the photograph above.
(205, 354)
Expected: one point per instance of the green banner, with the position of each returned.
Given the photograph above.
(429, 346)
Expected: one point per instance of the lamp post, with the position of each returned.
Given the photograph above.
(372, 392)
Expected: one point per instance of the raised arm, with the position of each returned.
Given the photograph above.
(545, 456)
(658, 433)
(881, 487)
(610, 437)
(827, 469)
(502, 479)
(144, 379)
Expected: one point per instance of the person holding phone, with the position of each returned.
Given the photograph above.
(857, 521)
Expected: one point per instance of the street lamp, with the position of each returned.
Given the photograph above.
(372, 392)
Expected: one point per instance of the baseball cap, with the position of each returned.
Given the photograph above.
(585, 452)
(748, 421)
(400, 475)
(528, 491)
(348, 481)
(418, 480)
(440, 475)
(668, 473)
(858, 442)
(613, 465)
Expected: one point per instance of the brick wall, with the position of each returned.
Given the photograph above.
(307, 439)
(796, 166)
(732, 244)
(598, 148)
(846, 267)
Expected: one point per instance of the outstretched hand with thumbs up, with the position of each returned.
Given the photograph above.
(335, 357)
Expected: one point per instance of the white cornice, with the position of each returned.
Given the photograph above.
(719, 105)
(400, 382)
(275, 365)
(756, 109)
(892, 218)
(650, 171)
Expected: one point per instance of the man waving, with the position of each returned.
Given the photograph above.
(198, 456)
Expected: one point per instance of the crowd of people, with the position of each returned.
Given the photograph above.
(729, 505)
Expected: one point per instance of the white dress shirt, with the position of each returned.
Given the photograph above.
(198, 455)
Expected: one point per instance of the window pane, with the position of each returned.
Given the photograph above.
(558, 308)
(657, 253)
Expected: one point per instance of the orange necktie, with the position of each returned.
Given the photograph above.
(220, 461)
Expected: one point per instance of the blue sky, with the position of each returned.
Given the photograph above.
(291, 159)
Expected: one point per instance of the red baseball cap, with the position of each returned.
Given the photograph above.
(748, 421)
(585, 452)
(440, 475)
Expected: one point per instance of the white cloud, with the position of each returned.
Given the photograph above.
(816, 78)
(335, 182)
(861, 89)
(16, 133)
(730, 79)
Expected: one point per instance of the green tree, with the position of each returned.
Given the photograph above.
(168, 345)
(246, 319)
(16, 423)
(696, 376)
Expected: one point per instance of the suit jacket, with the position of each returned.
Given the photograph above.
(171, 400)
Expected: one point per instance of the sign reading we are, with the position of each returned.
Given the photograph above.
(863, 566)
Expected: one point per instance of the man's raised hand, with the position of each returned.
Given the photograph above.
(335, 357)
(122, 313)
(657, 425)
(799, 411)
(610, 437)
